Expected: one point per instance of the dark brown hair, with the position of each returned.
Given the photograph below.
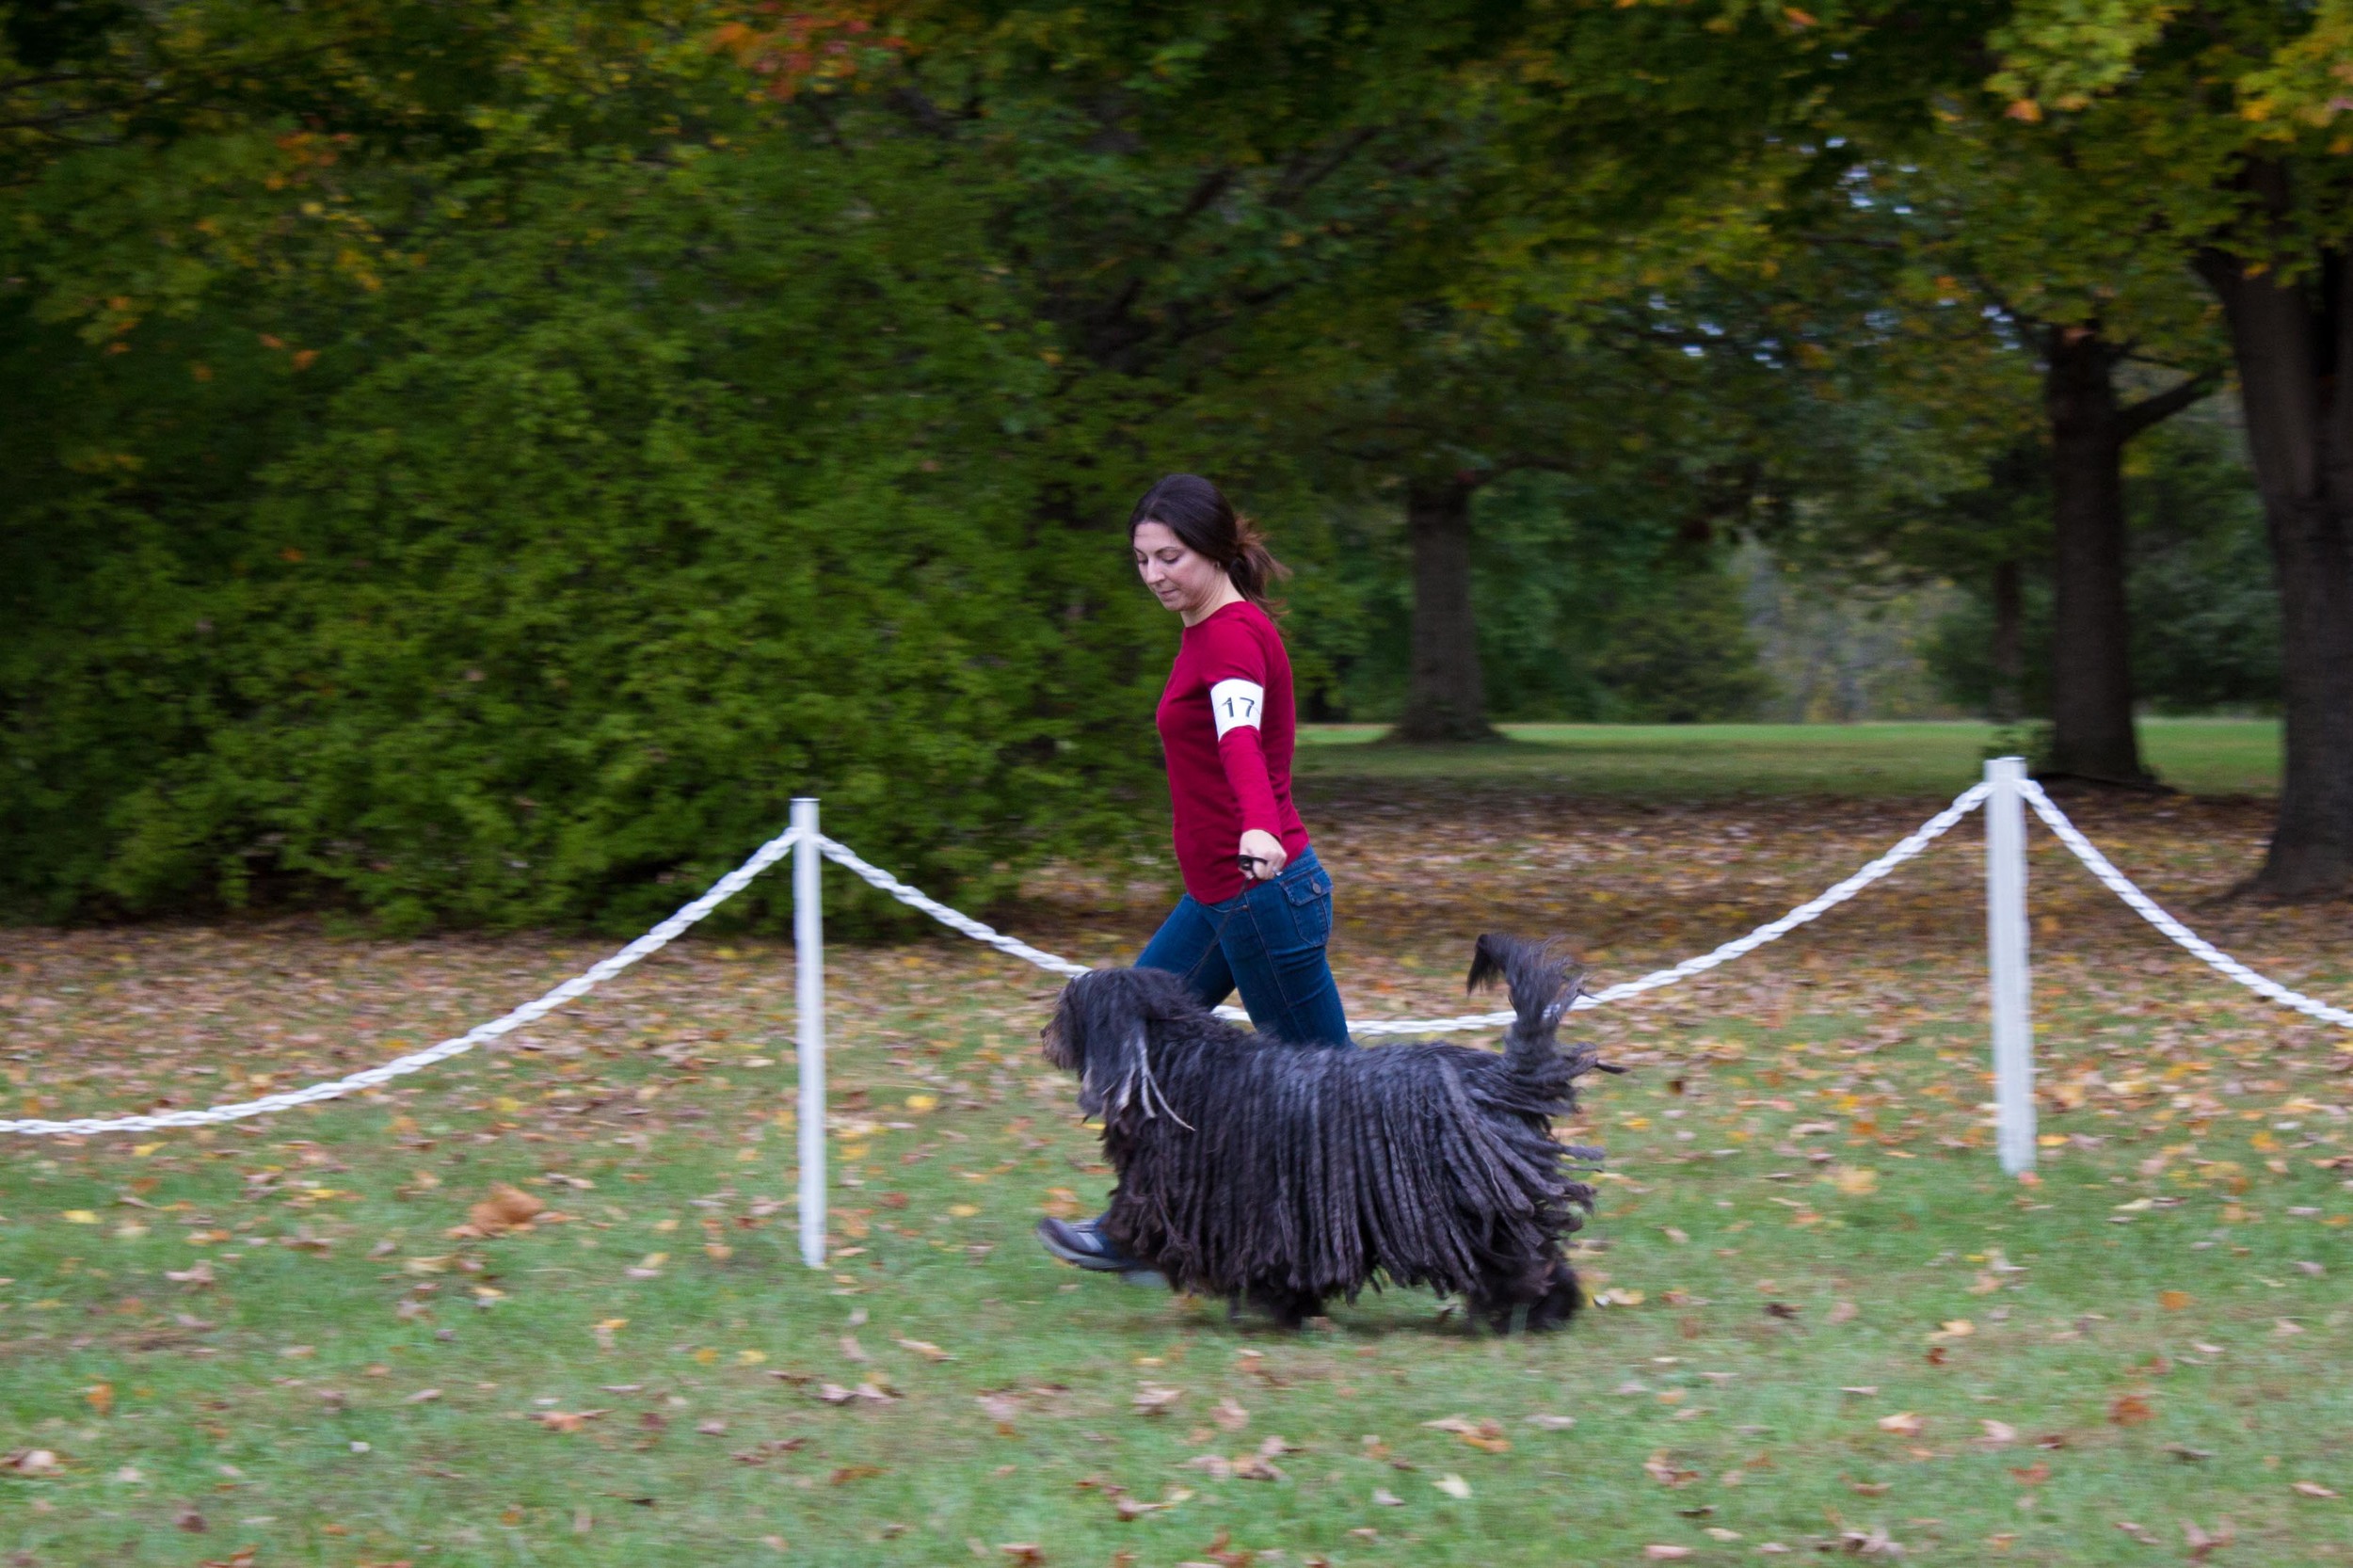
(1198, 513)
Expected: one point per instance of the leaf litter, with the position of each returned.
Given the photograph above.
(1840, 1040)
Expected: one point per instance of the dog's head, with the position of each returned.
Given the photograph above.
(1102, 1030)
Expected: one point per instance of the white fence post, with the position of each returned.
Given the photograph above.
(2005, 957)
(809, 953)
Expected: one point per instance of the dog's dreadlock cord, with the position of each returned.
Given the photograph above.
(1151, 1084)
(1139, 1086)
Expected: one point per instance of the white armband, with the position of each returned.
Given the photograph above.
(1233, 702)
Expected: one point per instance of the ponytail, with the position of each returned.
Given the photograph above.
(1198, 513)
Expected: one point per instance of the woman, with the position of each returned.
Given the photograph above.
(1256, 910)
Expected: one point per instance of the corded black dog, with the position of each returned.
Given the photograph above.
(1284, 1174)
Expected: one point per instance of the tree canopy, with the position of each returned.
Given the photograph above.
(475, 465)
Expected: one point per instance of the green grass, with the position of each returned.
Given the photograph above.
(1715, 761)
(1803, 1218)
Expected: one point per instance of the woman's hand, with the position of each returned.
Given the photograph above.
(1266, 853)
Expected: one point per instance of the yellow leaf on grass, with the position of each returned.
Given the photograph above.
(80, 1216)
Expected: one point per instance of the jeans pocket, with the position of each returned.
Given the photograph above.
(1310, 899)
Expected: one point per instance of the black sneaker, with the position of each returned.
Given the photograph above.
(1083, 1245)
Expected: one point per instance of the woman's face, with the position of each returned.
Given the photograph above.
(1180, 578)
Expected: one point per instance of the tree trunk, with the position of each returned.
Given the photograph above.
(2290, 339)
(2009, 645)
(1445, 700)
(2092, 683)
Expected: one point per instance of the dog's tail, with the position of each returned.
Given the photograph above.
(1543, 983)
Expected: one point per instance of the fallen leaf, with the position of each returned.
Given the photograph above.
(1230, 1416)
(1666, 1554)
(2130, 1410)
(1486, 1435)
(504, 1209)
(567, 1421)
(1904, 1424)
(2310, 1489)
(1383, 1498)
(925, 1348)
(1452, 1485)
(1153, 1398)
(1665, 1472)
(2173, 1301)
(2201, 1543)
(1999, 1432)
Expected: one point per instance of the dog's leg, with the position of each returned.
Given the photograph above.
(1288, 1308)
(1546, 1288)
(1491, 1302)
(1559, 1304)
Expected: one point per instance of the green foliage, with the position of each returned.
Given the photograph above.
(1685, 656)
(2204, 611)
(1586, 612)
(475, 465)
(529, 584)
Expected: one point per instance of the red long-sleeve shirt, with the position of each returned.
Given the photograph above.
(1227, 726)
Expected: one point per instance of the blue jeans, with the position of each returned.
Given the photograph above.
(1268, 940)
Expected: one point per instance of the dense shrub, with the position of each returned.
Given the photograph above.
(668, 489)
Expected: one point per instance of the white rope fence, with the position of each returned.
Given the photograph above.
(2147, 909)
(954, 920)
(1930, 831)
(580, 985)
(2005, 783)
